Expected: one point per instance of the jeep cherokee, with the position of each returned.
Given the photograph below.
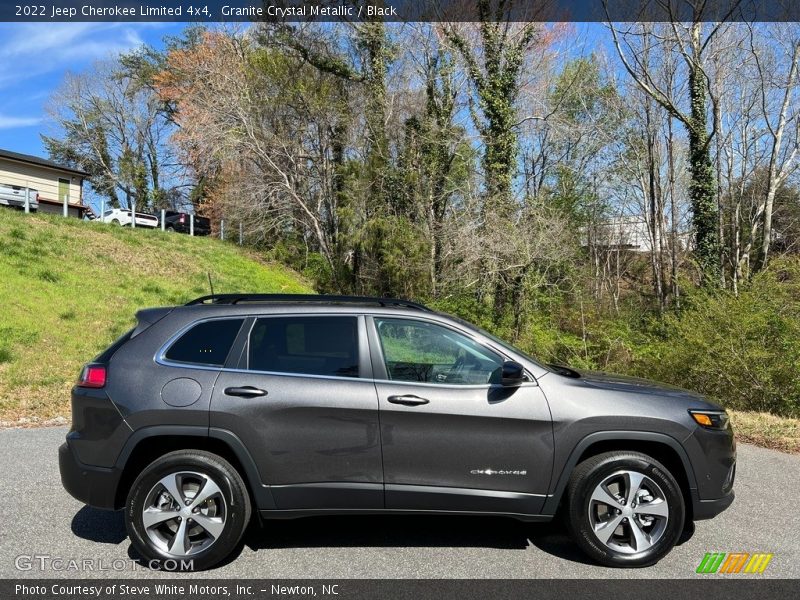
(289, 406)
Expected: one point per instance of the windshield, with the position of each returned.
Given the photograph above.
(500, 342)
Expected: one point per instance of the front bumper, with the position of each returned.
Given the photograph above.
(713, 457)
(708, 509)
(95, 486)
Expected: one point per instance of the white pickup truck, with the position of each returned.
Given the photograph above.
(14, 195)
(121, 216)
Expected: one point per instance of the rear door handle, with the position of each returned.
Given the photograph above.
(247, 391)
(408, 400)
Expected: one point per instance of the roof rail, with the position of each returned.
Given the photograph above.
(217, 299)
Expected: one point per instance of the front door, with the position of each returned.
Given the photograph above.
(63, 191)
(303, 402)
(454, 438)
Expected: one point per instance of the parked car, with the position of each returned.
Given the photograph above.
(14, 195)
(121, 216)
(180, 222)
(293, 406)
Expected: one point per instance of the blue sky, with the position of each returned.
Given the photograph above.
(34, 58)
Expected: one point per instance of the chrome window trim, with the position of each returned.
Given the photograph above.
(160, 358)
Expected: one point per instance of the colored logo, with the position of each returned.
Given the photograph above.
(734, 562)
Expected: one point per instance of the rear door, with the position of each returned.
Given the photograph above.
(453, 438)
(303, 402)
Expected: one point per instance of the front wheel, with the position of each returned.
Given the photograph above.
(625, 509)
(190, 508)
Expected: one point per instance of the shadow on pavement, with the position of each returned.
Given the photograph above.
(95, 525)
(413, 531)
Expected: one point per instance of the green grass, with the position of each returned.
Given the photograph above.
(68, 288)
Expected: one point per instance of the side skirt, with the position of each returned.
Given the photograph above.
(319, 512)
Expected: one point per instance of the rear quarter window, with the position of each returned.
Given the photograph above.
(207, 343)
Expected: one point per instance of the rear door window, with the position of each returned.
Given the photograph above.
(207, 343)
(305, 345)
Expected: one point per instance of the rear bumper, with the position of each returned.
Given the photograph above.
(15, 203)
(95, 486)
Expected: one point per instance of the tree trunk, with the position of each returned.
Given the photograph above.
(702, 189)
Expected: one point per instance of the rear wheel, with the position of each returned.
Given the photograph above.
(625, 509)
(187, 506)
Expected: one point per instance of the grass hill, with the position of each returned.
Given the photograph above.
(68, 288)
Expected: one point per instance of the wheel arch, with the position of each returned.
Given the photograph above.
(147, 444)
(664, 448)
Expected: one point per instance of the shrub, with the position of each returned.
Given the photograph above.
(741, 351)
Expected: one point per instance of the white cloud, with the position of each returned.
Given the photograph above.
(7, 122)
(30, 50)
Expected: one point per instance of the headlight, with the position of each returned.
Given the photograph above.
(711, 419)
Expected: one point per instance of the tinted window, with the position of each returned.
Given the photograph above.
(306, 345)
(206, 343)
(430, 353)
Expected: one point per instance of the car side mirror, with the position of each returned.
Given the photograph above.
(513, 374)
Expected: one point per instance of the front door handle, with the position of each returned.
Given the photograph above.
(247, 391)
(408, 400)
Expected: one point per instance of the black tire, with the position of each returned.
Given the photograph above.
(236, 506)
(170, 229)
(583, 482)
(116, 222)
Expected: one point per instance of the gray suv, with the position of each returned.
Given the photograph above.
(287, 406)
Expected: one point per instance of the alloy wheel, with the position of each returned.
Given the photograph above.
(184, 513)
(628, 512)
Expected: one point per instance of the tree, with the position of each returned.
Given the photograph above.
(639, 47)
(494, 65)
(778, 77)
(110, 126)
(494, 71)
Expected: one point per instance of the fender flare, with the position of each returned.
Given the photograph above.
(553, 500)
(261, 492)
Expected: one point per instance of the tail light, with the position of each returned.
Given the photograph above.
(181, 219)
(93, 376)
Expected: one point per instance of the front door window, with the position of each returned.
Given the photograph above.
(425, 352)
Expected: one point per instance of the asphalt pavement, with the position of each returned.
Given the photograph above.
(44, 532)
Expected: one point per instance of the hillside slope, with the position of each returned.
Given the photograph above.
(68, 288)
